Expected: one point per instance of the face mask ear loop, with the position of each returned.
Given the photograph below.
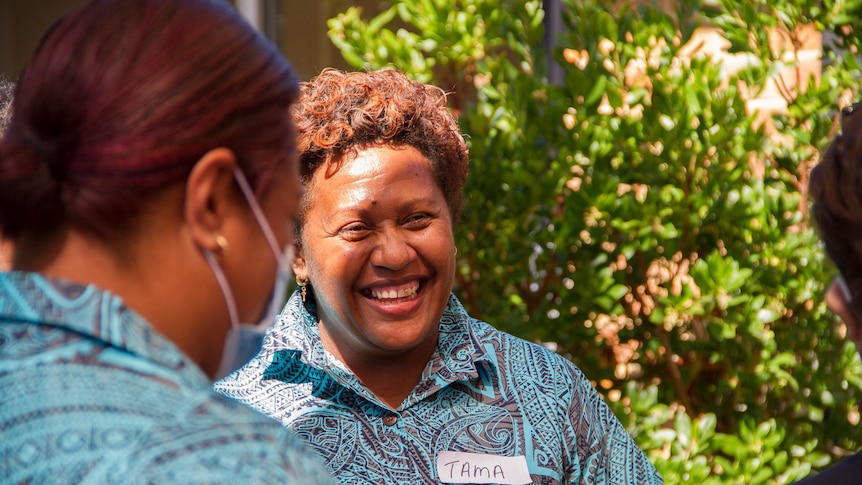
(225, 288)
(261, 219)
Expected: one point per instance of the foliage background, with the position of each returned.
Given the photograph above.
(635, 216)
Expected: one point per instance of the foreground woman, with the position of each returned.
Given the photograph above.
(148, 180)
(374, 361)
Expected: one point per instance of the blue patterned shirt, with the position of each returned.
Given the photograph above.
(483, 391)
(91, 393)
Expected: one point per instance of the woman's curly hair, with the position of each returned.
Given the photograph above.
(340, 113)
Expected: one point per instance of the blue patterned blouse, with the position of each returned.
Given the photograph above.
(91, 393)
(484, 394)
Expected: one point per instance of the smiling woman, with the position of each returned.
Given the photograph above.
(374, 361)
(380, 251)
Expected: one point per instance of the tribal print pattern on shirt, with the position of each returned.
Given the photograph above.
(483, 391)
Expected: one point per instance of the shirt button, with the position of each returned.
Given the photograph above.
(390, 419)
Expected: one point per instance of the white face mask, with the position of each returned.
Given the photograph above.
(243, 340)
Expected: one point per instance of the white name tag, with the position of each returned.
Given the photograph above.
(458, 467)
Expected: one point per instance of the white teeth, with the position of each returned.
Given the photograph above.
(393, 294)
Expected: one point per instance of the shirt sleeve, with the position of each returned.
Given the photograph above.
(848, 470)
(607, 454)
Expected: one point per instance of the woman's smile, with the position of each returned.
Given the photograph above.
(394, 294)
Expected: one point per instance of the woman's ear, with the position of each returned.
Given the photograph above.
(299, 268)
(837, 302)
(209, 196)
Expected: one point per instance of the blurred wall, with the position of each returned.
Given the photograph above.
(21, 25)
(303, 32)
(298, 27)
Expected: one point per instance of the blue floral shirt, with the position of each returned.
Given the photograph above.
(483, 394)
(91, 393)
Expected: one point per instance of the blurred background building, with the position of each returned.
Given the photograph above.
(298, 27)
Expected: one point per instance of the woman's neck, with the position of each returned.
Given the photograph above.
(157, 273)
(391, 377)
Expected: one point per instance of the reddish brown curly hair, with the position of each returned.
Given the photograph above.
(340, 113)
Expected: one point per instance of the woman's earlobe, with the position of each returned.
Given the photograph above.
(299, 268)
(208, 188)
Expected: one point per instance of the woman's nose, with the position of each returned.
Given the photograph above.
(393, 251)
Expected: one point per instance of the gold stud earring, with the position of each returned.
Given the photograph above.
(303, 287)
(222, 244)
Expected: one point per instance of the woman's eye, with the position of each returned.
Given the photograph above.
(418, 220)
(354, 231)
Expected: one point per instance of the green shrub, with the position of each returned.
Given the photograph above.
(636, 216)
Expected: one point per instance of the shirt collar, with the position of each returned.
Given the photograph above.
(91, 312)
(459, 348)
